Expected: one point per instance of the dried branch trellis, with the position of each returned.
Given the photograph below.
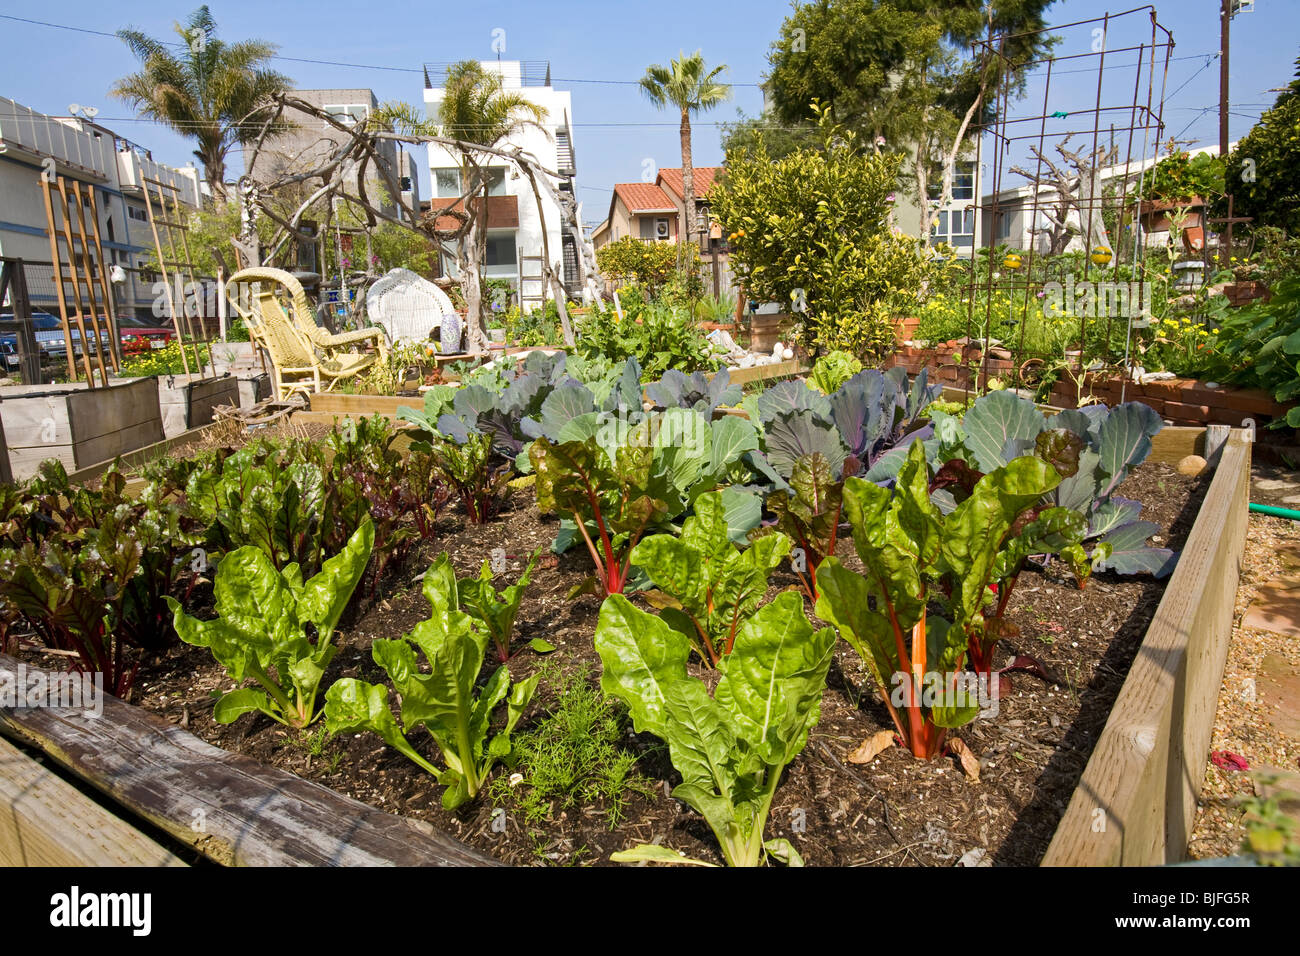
(341, 175)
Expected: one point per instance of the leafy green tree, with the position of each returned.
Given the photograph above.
(902, 74)
(648, 264)
(690, 86)
(810, 231)
(213, 92)
(1264, 170)
(779, 138)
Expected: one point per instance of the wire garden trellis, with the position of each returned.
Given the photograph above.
(1079, 193)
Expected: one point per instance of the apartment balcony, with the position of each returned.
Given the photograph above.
(42, 136)
(502, 212)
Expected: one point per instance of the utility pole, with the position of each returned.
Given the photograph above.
(1225, 19)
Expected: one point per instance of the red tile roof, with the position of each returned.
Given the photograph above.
(643, 197)
(703, 179)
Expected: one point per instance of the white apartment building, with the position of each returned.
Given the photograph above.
(514, 226)
(99, 159)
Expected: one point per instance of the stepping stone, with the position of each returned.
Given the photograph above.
(1278, 686)
(1276, 608)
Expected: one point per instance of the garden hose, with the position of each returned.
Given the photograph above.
(1275, 512)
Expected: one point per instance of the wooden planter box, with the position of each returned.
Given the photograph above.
(1133, 806)
(187, 401)
(78, 425)
(1136, 801)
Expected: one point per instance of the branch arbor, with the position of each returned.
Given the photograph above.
(689, 85)
(348, 163)
(216, 93)
(1077, 187)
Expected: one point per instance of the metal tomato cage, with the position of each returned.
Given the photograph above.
(1122, 60)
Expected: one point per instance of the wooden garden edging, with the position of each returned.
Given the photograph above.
(228, 807)
(45, 821)
(1136, 801)
(326, 405)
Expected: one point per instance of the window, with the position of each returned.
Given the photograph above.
(501, 250)
(963, 181)
(349, 114)
(956, 228)
(446, 183)
(137, 213)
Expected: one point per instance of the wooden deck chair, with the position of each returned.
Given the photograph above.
(302, 316)
(296, 366)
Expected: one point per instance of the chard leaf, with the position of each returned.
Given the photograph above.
(744, 511)
(977, 530)
(772, 682)
(654, 853)
(640, 656)
(236, 703)
(325, 596)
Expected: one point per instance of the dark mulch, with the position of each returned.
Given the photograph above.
(894, 811)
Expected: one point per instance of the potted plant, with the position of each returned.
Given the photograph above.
(1175, 193)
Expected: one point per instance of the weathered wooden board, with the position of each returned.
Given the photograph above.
(187, 401)
(45, 821)
(1136, 800)
(363, 405)
(78, 425)
(167, 447)
(759, 373)
(228, 807)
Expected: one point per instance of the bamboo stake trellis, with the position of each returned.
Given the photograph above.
(172, 225)
(83, 262)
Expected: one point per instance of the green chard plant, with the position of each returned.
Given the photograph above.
(265, 625)
(496, 611)
(707, 585)
(915, 556)
(471, 472)
(443, 700)
(732, 747)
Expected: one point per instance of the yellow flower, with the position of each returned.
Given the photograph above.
(1214, 331)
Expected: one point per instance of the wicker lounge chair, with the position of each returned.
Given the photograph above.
(297, 367)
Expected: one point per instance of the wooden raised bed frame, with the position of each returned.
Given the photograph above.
(1134, 804)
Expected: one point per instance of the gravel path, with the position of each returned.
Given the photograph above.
(1246, 721)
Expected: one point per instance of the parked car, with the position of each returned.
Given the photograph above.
(48, 330)
(139, 336)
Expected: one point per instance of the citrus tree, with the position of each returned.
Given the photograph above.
(811, 231)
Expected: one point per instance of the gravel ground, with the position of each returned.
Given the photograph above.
(1241, 722)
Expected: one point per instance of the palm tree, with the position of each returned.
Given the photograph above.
(213, 92)
(688, 85)
(476, 110)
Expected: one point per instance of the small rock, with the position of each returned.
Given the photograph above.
(1192, 465)
(976, 857)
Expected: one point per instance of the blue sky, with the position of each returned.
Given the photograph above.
(597, 50)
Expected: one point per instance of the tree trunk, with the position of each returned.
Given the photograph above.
(470, 262)
(922, 195)
(688, 177)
